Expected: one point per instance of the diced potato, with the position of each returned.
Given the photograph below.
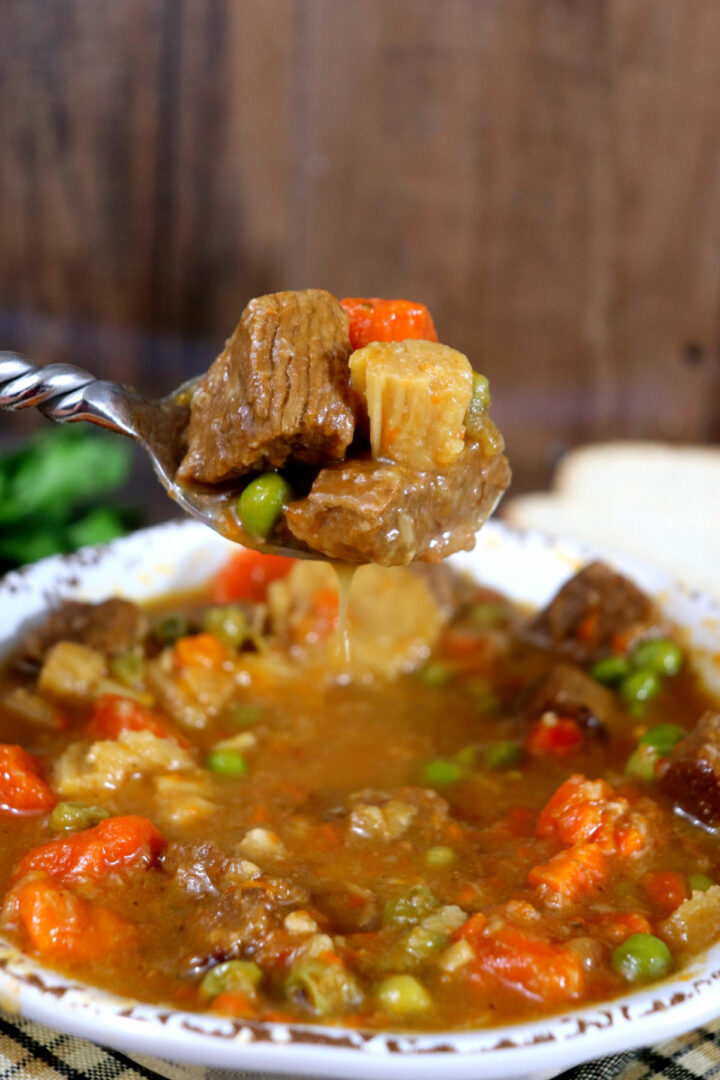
(106, 765)
(71, 672)
(192, 697)
(387, 822)
(416, 394)
(393, 618)
(182, 799)
(695, 925)
(261, 844)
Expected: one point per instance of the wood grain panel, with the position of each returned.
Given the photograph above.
(546, 175)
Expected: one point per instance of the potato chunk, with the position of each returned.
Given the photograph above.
(87, 771)
(695, 925)
(417, 394)
(71, 672)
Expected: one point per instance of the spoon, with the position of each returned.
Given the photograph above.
(68, 394)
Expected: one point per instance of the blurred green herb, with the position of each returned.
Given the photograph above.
(51, 493)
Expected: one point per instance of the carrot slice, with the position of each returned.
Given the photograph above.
(246, 576)
(112, 714)
(373, 319)
(666, 889)
(22, 788)
(571, 874)
(93, 854)
(232, 1003)
(575, 812)
(63, 926)
(527, 964)
(561, 736)
(200, 650)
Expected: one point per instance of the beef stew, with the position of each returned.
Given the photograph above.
(467, 826)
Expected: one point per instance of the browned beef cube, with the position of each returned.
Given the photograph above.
(692, 772)
(280, 389)
(371, 511)
(111, 627)
(568, 691)
(592, 611)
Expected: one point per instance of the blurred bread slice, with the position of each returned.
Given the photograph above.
(655, 502)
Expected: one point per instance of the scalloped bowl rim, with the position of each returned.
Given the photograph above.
(528, 566)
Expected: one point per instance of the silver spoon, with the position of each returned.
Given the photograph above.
(69, 394)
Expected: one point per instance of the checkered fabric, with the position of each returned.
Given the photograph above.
(32, 1052)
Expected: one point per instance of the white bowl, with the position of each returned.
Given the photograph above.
(529, 568)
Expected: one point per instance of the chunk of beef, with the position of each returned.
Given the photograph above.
(279, 389)
(592, 610)
(568, 691)
(691, 777)
(199, 869)
(372, 511)
(110, 627)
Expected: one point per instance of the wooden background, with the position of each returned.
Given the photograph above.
(545, 174)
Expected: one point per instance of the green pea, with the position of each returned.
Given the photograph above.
(409, 907)
(244, 715)
(238, 976)
(261, 503)
(640, 687)
(227, 761)
(436, 674)
(440, 856)
(438, 773)
(228, 623)
(73, 816)
(502, 755)
(660, 655)
(128, 667)
(642, 762)
(641, 957)
(487, 616)
(700, 882)
(421, 944)
(403, 994)
(663, 738)
(170, 628)
(610, 670)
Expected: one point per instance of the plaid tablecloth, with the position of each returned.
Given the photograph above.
(32, 1052)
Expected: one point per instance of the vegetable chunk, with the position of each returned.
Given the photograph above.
(373, 319)
(22, 788)
(416, 394)
(92, 855)
(62, 926)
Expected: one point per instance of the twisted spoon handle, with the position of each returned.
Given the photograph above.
(64, 393)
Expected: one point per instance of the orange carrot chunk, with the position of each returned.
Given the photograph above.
(93, 854)
(559, 735)
(666, 889)
(246, 576)
(523, 962)
(232, 1003)
(373, 319)
(571, 874)
(200, 650)
(65, 927)
(113, 714)
(22, 788)
(574, 814)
